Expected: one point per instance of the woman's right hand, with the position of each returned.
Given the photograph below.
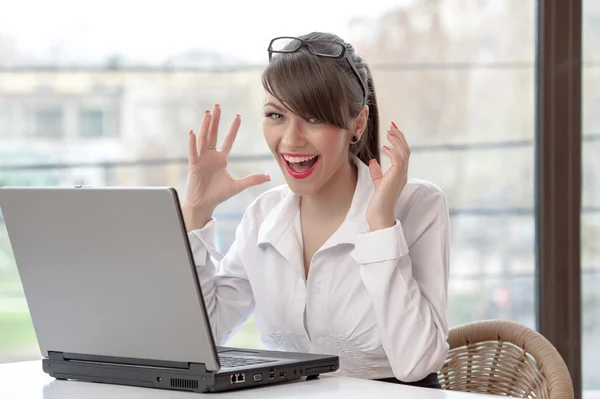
(209, 183)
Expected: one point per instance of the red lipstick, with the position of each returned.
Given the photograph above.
(299, 175)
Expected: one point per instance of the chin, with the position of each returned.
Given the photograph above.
(302, 189)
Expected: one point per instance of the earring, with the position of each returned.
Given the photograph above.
(354, 139)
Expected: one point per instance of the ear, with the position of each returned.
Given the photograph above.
(361, 122)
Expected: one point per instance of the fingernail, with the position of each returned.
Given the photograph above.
(268, 178)
(238, 115)
(217, 105)
(371, 161)
(191, 132)
(386, 147)
(393, 124)
(207, 112)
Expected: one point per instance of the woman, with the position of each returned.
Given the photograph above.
(344, 259)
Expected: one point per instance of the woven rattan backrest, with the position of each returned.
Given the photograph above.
(504, 358)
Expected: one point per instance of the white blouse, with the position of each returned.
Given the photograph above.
(376, 299)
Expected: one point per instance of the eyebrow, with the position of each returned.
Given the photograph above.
(277, 107)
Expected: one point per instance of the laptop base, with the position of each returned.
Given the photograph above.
(191, 377)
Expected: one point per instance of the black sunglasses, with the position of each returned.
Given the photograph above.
(319, 48)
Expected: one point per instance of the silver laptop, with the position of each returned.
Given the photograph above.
(112, 289)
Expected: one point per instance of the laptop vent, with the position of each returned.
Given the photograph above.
(184, 383)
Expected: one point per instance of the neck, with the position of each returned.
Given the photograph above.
(335, 198)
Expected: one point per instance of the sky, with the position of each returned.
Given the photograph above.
(88, 31)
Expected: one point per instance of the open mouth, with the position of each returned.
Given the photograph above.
(300, 166)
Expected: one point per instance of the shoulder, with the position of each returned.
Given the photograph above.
(419, 188)
(423, 199)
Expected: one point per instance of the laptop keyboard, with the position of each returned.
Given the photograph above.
(230, 361)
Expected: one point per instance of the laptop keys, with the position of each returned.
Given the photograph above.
(229, 361)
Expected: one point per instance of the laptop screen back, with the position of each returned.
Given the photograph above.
(107, 271)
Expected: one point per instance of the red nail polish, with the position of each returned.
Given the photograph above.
(386, 147)
(217, 105)
(371, 161)
(268, 178)
(238, 115)
(393, 124)
(191, 132)
(207, 112)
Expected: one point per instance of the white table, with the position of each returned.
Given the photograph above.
(26, 380)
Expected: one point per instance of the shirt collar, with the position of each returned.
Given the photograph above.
(281, 228)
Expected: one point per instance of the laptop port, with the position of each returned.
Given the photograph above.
(257, 377)
(282, 374)
(237, 378)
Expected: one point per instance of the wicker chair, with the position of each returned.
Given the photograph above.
(504, 358)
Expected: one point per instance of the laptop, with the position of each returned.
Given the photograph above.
(111, 286)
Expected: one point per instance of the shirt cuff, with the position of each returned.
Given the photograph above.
(380, 245)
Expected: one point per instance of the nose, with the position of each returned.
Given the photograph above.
(293, 136)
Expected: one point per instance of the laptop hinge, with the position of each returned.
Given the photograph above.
(55, 355)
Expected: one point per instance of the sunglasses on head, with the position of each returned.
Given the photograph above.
(319, 48)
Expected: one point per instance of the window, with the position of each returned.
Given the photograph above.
(471, 127)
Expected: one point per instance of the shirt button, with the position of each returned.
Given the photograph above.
(320, 340)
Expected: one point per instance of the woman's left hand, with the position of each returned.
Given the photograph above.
(388, 185)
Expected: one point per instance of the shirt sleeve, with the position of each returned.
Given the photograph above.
(406, 272)
(225, 287)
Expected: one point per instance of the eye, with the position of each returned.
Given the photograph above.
(273, 115)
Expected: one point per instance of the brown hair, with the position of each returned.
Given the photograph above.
(326, 89)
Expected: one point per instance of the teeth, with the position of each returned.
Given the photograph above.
(298, 159)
